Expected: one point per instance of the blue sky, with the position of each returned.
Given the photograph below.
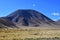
(50, 8)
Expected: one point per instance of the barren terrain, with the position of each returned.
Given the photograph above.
(23, 33)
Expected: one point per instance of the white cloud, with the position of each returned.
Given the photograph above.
(34, 5)
(55, 19)
(55, 14)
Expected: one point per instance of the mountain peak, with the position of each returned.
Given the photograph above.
(28, 17)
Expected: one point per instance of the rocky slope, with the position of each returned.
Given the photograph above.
(26, 18)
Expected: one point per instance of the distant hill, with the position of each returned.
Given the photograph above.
(58, 21)
(26, 18)
(4, 23)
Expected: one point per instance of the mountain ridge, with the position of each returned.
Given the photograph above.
(29, 18)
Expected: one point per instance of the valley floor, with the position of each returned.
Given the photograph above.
(29, 34)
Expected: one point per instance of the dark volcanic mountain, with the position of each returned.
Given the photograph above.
(26, 18)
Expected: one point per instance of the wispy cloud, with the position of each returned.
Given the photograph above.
(57, 19)
(34, 5)
(55, 14)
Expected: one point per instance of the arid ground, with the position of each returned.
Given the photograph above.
(28, 34)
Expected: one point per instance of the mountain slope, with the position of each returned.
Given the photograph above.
(58, 21)
(4, 23)
(27, 18)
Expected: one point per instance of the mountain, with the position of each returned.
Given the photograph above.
(4, 23)
(58, 21)
(27, 18)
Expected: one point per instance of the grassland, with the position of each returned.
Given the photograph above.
(29, 34)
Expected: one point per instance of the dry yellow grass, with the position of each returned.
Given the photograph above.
(10, 34)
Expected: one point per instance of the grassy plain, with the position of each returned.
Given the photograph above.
(29, 34)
